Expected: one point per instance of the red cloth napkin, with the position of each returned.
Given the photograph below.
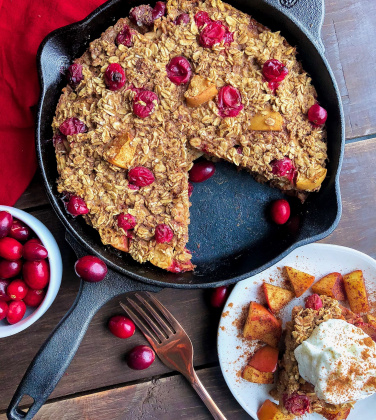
(23, 25)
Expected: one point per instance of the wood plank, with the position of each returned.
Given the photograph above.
(348, 31)
(165, 398)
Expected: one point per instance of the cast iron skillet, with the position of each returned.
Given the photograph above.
(230, 237)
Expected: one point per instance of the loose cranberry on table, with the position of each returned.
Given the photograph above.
(317, 114)
(33, 251)
(313, 302)
(229, 102)
(34, 297)
(3, 290)
(159, 10)
(126, 221)
(140, 176)
(74, 75)
(90, 268)
(9, 269)
(124, 37)
(3, 309)
(6, 220)
(76, 206)
(16, 311)
(283, 167)
(274, 72)
(212, 34)
(163, 234)
(114, 76)
(182, 19)
(201, 171)
(296, 404)
(10, 249)
(17, 289)
(280, 211)
(36, 274)
(121, 326)
(19, 231)
(72, 126)
(219, 296)
(141, 15)
(140, 357)
(144, 103)
(179, 70)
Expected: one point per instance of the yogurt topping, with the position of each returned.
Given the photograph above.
(339, 359)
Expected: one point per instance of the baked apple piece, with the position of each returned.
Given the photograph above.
(371, 320)
(251, 374)
(356, 291)
(331, 285)
(262, 325)
(265, 359)
(267, 120)
(120, 152)
(300, 281)
(200, 91)
(336, 413)
(277, 297)
(270, 411)
(311, 184)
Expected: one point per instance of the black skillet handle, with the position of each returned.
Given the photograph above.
(55, 355)
(307, 13)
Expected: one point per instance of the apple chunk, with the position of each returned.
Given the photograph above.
(262, 325)
(251, 374)
(265, 359)
(300, 281)
(200, 91)
(356, 291)
(267, 120)
(276, 296)
(270, 411)
(121, 151)
(336, 413)
(331, 285)
(371, 320)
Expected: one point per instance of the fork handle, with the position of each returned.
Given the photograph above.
(205, 397)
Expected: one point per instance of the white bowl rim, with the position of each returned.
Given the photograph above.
(56, 270)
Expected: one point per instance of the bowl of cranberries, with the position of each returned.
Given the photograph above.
(30, 270)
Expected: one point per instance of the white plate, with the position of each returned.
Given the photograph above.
(233, 351)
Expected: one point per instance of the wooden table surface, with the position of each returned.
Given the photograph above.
(98, 385)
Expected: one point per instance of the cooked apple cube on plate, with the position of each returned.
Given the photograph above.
(300, 281)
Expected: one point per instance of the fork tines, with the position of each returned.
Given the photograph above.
(150, 316)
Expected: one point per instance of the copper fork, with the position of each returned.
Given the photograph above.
(168, 339)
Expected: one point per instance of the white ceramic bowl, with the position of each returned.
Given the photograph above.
(56, 271)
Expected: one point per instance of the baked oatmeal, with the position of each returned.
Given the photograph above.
(160, 88)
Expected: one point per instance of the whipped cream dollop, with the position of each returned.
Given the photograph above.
(339, 359)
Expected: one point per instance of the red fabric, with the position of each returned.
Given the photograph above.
(23, 25)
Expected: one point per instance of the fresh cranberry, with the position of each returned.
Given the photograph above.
(76, 206)
(190, 189)
(140, 357)
(34, 297)
(229, 102)
(114, 76)
(126, 221)
(16, 311)
(3, 290)
(33, 251)
(140, 176)
(163, 234)
(124, 37)
(182, 19)
(141, 15)
(219, 296)
(144, 103)
(317, 114)
(159, 10)
(228, 37)
(9, 269)
(36, 274)
(296, 404)
(201, 171)
(74, 75)
(6, 220)
(201, 18)
(313, 302)
(72, 126)
(284, 167)
(179, 70)
(212, 34)
(10, 249)
(17, 290)
(280, 211)
(274, 71)
(121, 326)
(3, 309)
(19, 231)
(90, 268)
(36, 240)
